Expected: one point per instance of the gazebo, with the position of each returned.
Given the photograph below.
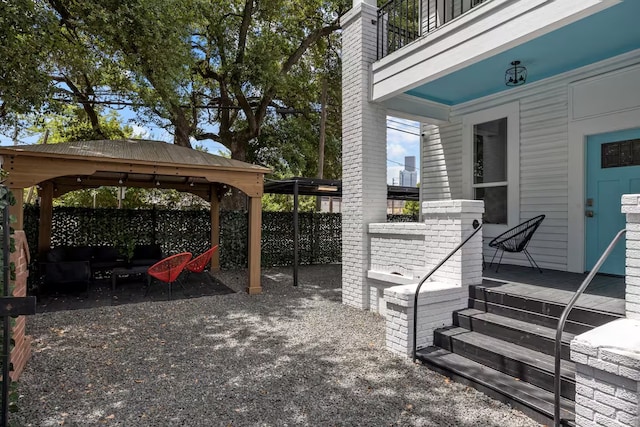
(59, 168)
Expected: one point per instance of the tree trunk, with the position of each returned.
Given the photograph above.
(182, 129)
(237, 200)
(323, 132)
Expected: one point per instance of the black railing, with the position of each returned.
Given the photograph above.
(402, 21)
(557, 382)
(477, 227)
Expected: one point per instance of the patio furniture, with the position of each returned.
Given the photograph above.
(128, 271)
(168, 270)
(146, 255)
(516, 240)
(199, 263)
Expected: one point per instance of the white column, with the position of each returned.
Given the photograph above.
(631, 207)
(364, 168)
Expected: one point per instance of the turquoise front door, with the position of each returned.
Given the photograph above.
(613, 169)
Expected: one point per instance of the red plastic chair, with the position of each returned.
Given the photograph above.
(199, 263)
(168, 269)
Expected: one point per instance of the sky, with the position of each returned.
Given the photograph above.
(403, 139)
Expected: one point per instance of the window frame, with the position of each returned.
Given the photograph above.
(510, 111)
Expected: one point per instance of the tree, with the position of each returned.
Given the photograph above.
(25, 85)
(206, 70)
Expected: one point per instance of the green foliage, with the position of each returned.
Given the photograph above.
(284, 203)
(179, 230)
(411, 207)
(71, 123)
(25, 42)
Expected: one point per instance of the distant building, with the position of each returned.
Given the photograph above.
(409, 176)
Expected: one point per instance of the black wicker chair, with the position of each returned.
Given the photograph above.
(516, 240)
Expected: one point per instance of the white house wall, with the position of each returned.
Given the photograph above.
(544, 161)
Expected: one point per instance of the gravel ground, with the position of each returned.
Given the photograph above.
(288, 357)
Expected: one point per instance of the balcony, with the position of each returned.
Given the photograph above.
(402, 21)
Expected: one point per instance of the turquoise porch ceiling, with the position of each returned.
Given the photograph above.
(611, 32)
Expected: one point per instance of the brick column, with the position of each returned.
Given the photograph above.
(607, 362)
(447, 224)
(607, 358)
(21, 351)
(364, 151)
(631, 207)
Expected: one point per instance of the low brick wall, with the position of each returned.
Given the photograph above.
(21, 351)
(435, 304)
(608, 374)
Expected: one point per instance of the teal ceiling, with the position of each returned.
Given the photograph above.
(614, 31)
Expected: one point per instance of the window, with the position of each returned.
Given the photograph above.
(490, 169)
(491, 140)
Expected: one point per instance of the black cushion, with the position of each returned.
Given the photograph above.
(105, 254)
(58, 254)
(147, 252)
(79, 253)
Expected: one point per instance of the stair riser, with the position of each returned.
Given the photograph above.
(527, 316)
(578, 314)
(507, 333)
(495, 394)
(525, 372)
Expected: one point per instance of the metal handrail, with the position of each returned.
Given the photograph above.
(477, 227)
(557, 381)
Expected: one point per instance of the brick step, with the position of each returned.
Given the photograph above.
(519, 362)
(525, 334)
(531, 400)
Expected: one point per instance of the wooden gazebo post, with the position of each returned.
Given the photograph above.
(46, 216)
(255, 237)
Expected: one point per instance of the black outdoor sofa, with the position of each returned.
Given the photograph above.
(73, 268)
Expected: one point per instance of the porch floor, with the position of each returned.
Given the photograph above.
(605, 293)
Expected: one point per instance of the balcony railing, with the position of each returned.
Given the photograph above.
(402, 21)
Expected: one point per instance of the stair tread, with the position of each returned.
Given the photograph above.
(529, 327)
(519, 391)
(514, 351)
(544, 319)
(560, 298)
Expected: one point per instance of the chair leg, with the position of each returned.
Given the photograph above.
(531, 260)
(493, 257)
(500, 261)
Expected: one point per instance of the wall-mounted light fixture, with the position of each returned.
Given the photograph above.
(516, 75)
(78, 179)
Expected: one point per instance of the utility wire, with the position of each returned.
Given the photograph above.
(404, 131)
(403, 124)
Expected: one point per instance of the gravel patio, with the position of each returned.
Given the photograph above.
(288, 357)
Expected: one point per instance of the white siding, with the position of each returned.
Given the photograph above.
(441, 162)
(543, 171)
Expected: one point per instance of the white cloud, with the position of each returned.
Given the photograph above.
(140, 131)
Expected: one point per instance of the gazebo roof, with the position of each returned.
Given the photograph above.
(127, 162)
(136, 150)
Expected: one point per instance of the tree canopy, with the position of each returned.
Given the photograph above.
(204, 70)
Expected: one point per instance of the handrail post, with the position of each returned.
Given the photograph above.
(477, 227)
(557, 380)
